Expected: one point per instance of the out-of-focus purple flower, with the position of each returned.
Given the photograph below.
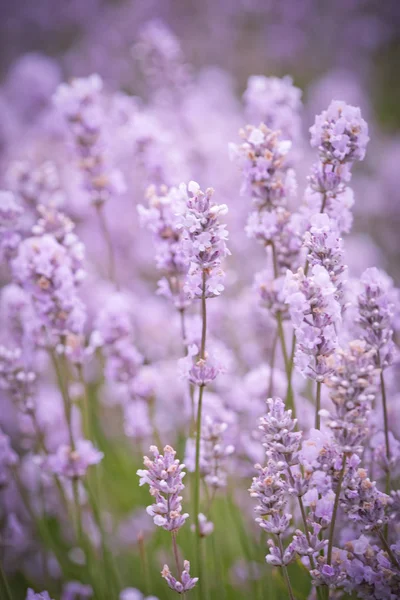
(206, 527)
(262, 159)
(376, 311)
(75, 590)
(10, 213)
(80, 103)
(214, 452)
(31, 595)
(275, 102)
(185, 584)
(73, 463)
(164, 475)
(8, 458)
(44, 268)
(162, 218)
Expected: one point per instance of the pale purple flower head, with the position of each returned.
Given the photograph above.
(164, 475)
(186, 582)
(73, 464)
(340, 133)
(275, 102)
(44, 268)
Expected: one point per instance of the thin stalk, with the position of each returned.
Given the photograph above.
(197, 482)
(65, 396)
(385, 421)
(388, 548)
(285, 572)
(85, 406)
(176, 554)
(272, 364)
(145, 562)
(335, 509)
(318, 406)
(5, 584)
(110, 249)
(182, 316)
(78, 514)
(289, 396)
(198, 432)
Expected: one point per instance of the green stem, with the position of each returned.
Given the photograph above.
(385, 421)
(285, 572)
(198, 433)
(335, 509)
(145, 562)
(107, 237)
(318, 406)
(65, 395)
(272, 365)
(176, 556)
(388, 548)
(3, 579)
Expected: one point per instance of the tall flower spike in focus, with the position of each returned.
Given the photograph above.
(164, 476)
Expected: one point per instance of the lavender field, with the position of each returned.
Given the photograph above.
(199, 300)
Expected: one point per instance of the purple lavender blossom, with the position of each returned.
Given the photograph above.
(80, 103)
(275, 102)
(185, 584)
(161, 217)
(73, 463)
(376, 311)
(340, 134)
(44, 268)
(353, 390)
(164, 475)
(203, 242)
(315, 315)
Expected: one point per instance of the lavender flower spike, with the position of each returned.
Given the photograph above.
(164, 475)
(187, 583)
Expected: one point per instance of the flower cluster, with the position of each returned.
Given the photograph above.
(203, 242)
(340, 134)
(80, 103)
(161, 217)
(315, 314)
(186, 582)
(164, 475)
(72, 463)
(353, 390)
(267, 174)
(376, 311)
(275, 102)
(325, 249)
(214, 452)
(44, 268)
